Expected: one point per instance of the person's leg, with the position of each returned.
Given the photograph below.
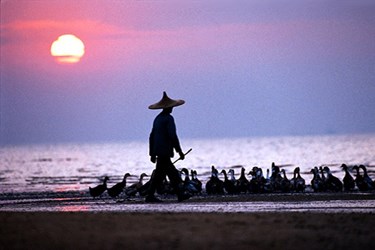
(156, 179)
(173, 174)
(176, 181)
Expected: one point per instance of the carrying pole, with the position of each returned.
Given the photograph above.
(184, 154)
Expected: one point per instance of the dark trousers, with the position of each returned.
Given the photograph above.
(164, 167)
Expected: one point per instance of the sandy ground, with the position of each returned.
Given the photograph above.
(105, 230)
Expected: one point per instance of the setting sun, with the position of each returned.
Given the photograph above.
(67, 49)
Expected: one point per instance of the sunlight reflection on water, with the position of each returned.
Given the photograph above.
(78, 166)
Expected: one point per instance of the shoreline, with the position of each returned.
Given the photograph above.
(245, 203)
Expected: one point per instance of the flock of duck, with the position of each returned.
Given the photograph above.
(323, 181)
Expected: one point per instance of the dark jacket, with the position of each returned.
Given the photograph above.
(163, 137)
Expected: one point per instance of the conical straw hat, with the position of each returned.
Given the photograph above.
(166, 102)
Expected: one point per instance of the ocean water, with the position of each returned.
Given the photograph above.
(75, 167)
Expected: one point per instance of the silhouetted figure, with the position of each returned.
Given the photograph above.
(163, 141)
(100, 189)
(117, 189)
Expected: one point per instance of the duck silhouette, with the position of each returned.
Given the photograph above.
(229, 185)
(143, 188)
(348, 180)
(324, 179)
(276, 178)
(257, 181)
(267, 182)
(233, 179)
(166, 188)
(100, 189)
(317, 183)
(133, 189)
(214, 185)
(188, 185)
(332, 182)
(196, 181)
(297, 182)
(359, 180)
(117, 189)
(285, 184)
(242, 183)
(367, 178)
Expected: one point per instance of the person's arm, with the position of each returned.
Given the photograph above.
(151, 147)
(174, 138)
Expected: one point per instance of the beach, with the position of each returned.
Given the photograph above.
(186, 230)
(45, 203)
(120, 227)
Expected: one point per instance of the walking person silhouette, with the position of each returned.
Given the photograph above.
(163, 141)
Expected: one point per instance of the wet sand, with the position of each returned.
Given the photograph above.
(85, 230)
(120, 225)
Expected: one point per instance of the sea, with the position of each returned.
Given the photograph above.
(76, 167)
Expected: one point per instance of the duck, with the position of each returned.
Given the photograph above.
(117, 189)
(198, 183)
(166, 188)
(100, 189)
(317, 183)
(332, 182)
(348, 180)
(285, 185)
(214, 185)
(260, 178)
(256, 184)
(267, 182)
(367, 179)
(233, 179)
(188, 185)
(276, 178)
(360, 180)
(242, 183)
(133, 189)
(229, 185)
(298, 183)
(143, 189)
(324, 179)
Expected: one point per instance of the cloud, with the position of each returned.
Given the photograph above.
(42, 28)
(206, 46)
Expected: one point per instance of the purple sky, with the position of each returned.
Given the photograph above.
(244, 68)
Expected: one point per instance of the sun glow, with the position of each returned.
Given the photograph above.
(67, 49)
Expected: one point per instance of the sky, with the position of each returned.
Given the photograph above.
(244, 68)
